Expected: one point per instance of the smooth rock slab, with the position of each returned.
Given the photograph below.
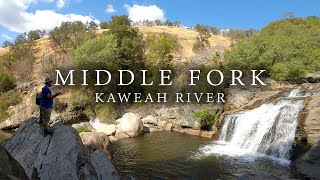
(308, 164)
(97, 141)
(9, 167)
(60, 156)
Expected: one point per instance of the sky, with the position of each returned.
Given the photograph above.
(18, 16)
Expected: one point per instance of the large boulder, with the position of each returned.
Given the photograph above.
(60, 156)
(108, 129)
(130, 125)
(97, 141)
(308, 165)
(9, 167)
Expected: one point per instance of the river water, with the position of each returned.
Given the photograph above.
(254, 143)
(172, 155)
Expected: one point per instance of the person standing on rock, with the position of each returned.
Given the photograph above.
(46, 105)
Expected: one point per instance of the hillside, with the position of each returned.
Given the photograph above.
(43, 48)
(186, 37)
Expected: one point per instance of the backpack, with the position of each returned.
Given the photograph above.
(38, 98)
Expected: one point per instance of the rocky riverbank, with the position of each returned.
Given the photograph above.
(60, 156)
(149, 118)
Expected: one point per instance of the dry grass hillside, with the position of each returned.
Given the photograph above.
(3, 50)
(43, 48)
(186, 37)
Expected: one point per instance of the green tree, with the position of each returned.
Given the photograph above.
(130, 43)
(70, 35)
(160, 50)
(6, 81)
(214, 30)
(287, 49)
(6, 44)
(237, 34)
(92, 25)
(104, 25)
(21, 39)
(35, 35)
(202, 40)
(97, 52)
(158, 22)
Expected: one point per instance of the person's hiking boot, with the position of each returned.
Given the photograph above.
(48, 132)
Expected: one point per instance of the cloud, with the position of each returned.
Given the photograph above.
(6, 37)
(110, 9)
(139, 13)
(23, 21)
(60, 4)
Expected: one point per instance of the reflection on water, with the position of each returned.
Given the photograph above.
(170, 155)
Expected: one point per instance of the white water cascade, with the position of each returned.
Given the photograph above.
(266, 130)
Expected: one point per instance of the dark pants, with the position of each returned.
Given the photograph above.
(45, 114)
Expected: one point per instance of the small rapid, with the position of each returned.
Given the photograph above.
(266, 131)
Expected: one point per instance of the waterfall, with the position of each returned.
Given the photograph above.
(268, 130)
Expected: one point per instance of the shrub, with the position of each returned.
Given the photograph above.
(3, 111)
(83, 129)
(6, 82)
(83, 100)
(106, 113)
(160, 50)
(11, 98)
(287, 49)
(96, 52)
(207, 118)
(8, 99)
(202, 40)
(6, 44)
(104, 25)
(70, 35)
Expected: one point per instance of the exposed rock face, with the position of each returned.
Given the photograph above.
(20, 113)
(29, 109)
(130, 125)
(9, 167)
(238, 98)
(97, 141)
(194, 132)
(180, 115)
(75, 116)
(308, 164)
(312, 118)
(150, 120)
(262, 98)
(60, 156)
(313, 77)
(183, 115)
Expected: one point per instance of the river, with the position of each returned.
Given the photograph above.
(253, 143)
(172, 155)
